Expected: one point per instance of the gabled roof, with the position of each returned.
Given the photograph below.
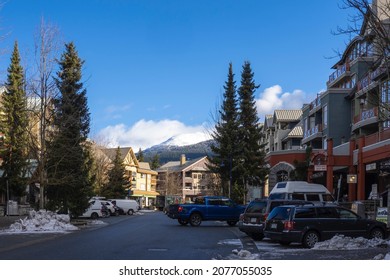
(287, 115)
(296, 132)
(269, 121)
(126, 153)
(175, 166)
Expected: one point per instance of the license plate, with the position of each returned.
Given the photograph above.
(274, 226)
(253, 220)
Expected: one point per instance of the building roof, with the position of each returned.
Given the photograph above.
(269, 121)
(144, 167)
(111, 152)
(175, 166)
(296, 132)
(287, 115)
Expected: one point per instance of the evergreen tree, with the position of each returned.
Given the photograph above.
(225, 137)
(140, 155)
(68, 164)
(14, 121)
(155, 162)
(252, 162)
(118, 182)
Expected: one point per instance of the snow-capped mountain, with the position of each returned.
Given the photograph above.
(192, 145)
(186, 139)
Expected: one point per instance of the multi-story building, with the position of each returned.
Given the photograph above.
(282, 134)
(187, 178)
(347, 126)
(143, 179)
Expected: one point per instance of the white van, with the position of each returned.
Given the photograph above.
(301, 190)
(94, 210)
(129, 206)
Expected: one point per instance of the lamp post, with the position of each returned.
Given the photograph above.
(6, 182)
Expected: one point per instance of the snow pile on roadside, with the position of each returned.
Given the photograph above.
(42, 221)
(340, 242)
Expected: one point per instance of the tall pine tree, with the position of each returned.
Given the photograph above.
(68, 165)
(14, 121)
(225, 137)
(118, 182)
(252, 162)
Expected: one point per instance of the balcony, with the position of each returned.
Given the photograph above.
(365, 118)
(315, 106)
(312, 133)
(365, 84)
(340, 72)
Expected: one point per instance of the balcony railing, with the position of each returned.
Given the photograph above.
(364, 82)
(366, 114)
(316, 103)
(313, 130)
(377, 137)
(339, 71)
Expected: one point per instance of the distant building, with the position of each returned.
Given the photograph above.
(143, 179)
(187, 178)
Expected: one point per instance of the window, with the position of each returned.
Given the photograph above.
(304, 213)
(327, 212)
(325, 116)
(346, 214)
(298, 196)
(313, 197)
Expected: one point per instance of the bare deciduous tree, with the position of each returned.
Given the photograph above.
(42, 90)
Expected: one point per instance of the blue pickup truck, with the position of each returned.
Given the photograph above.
(206, 208)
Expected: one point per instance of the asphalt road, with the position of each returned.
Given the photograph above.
(153, 236)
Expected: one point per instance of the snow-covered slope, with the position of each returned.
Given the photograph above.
(186, 139)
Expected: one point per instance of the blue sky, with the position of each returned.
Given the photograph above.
(154, 69)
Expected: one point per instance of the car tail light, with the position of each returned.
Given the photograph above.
(180, 209)
(288, 225)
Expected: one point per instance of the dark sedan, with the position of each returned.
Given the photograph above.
(311, 224)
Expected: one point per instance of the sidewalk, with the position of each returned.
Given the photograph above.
(6, 221)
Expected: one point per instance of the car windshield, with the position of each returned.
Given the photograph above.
(280, 213)
(256, 207)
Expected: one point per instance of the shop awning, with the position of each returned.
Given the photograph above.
(145, 193)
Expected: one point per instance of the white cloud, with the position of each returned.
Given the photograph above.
(273, 98)
(146, 133)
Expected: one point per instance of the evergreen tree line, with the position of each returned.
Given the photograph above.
(67, 168)
(239, 158)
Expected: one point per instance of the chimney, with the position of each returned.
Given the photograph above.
(182, 159)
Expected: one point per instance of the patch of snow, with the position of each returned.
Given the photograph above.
(387, 257)
(340, 242)
(243, 255)
(186, 139)
(42, 221)
(234, 242)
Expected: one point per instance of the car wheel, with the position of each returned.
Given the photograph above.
(94, 215)
(231, 223)
(182, 222)
(377, 233)
(130, 212)
(257, 236)
(195, 219)
(310, 239)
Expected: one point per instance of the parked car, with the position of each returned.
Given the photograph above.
(311, 224)
(253, 219)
